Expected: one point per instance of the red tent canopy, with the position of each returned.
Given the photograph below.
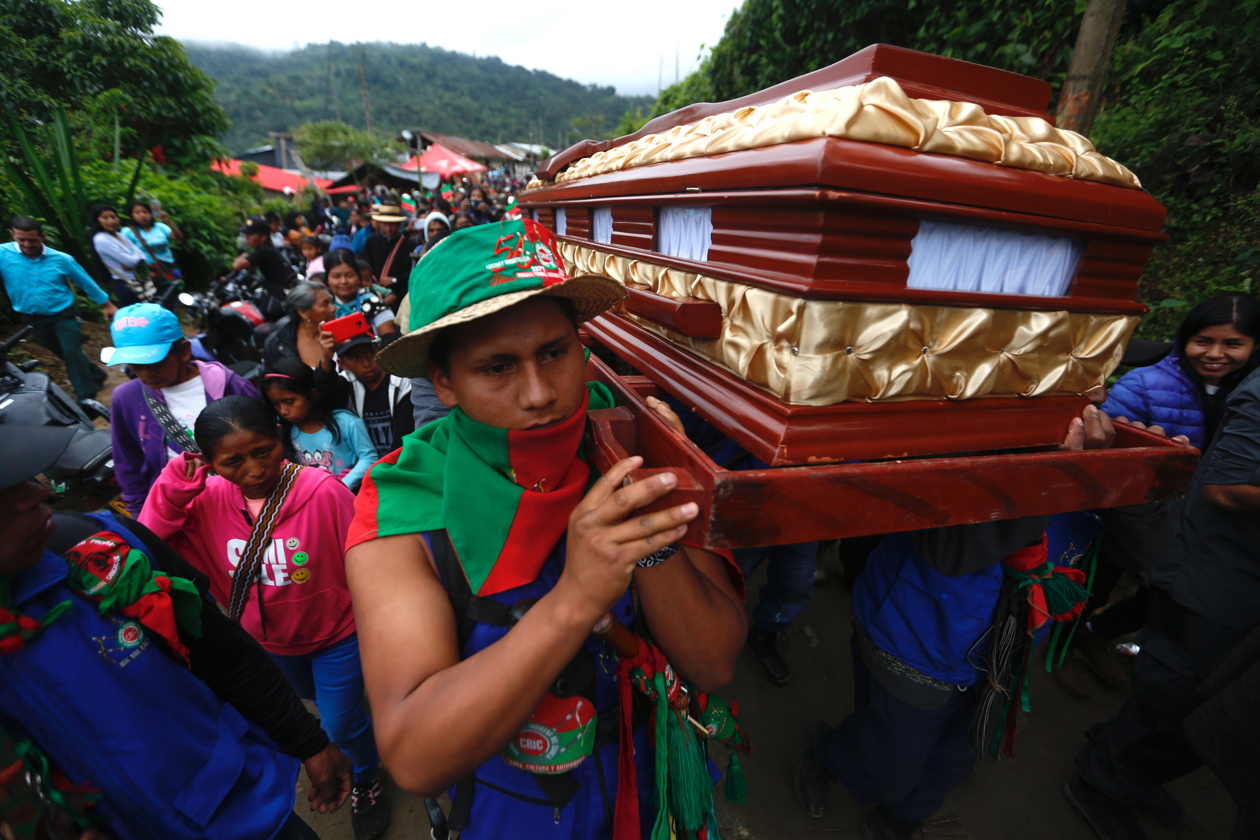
(268, 177)
(444, 162)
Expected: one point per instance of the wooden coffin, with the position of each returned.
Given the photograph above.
(796, 504)
(797, 333)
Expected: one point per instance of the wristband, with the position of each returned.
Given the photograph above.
(659, 557)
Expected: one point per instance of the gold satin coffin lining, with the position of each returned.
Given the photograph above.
(878, 111)
(823, 352)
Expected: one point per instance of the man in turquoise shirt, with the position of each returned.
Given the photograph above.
(37, 280)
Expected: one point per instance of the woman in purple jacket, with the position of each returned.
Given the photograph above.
(152, 416)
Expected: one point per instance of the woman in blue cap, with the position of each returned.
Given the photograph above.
(153, 415)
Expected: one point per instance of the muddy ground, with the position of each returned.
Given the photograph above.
(1013, 800)
(95, 336)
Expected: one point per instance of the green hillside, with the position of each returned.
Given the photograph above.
(409, 86)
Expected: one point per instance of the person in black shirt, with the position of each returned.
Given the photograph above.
(1205, 599)
(277, 274)
(387, 252)
(381, 400)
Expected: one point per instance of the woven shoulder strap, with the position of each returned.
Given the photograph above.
(259, 538)
(176, 432)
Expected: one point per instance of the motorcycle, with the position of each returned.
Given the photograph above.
(232, 327)
(31, 399)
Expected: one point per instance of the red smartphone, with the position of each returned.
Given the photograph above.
(344, 329)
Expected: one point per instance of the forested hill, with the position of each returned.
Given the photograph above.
(409, 86)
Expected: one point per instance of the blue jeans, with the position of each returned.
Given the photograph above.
(789, 582)
(333, 679)
(896, 755)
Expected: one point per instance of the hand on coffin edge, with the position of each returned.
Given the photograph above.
(1092, 430)
(1095, 430)
(1155, 430)
(667, 414)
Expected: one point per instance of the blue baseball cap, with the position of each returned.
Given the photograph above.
(143, 334)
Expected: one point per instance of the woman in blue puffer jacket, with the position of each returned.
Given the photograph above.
(1185, 393)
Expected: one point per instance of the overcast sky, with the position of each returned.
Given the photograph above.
(617, 43)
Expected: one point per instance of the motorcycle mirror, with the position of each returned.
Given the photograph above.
(186, 299)
(107, 353)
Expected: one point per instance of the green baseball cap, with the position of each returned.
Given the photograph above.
(478, 271)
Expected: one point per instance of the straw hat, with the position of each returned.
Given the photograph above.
(388, 213)
(479, 270)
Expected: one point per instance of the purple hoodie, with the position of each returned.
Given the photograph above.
(140, 450)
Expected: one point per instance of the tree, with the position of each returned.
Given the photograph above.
(1082, 91)
(335, 145)
(587, 128)
(630, 123)
(65, 54)
(770, 41)
(410, 85)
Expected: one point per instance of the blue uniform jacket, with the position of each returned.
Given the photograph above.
(111, 710)
(938, 624)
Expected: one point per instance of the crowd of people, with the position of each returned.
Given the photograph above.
(409, 516)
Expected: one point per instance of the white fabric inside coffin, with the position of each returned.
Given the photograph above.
(561, 222)
(685, 232)
(601, 225)
(968, 258)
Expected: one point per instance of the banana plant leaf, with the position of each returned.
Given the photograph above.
(52, 185)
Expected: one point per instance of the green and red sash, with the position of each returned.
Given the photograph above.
(503, 496)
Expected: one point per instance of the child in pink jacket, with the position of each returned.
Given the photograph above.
(298, 608)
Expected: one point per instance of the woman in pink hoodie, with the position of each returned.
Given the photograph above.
(299, 606)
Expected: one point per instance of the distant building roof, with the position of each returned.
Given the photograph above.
(392, 175)
(474, 149)
(512, 151)
(280, 157)
(526, 149)
(268, 177)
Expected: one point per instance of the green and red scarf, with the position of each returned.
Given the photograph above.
(106, 570)
(503, 496)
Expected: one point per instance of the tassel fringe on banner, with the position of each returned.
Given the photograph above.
(1034, 592)
(683, 794)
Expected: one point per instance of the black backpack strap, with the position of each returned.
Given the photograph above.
(470, 610)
